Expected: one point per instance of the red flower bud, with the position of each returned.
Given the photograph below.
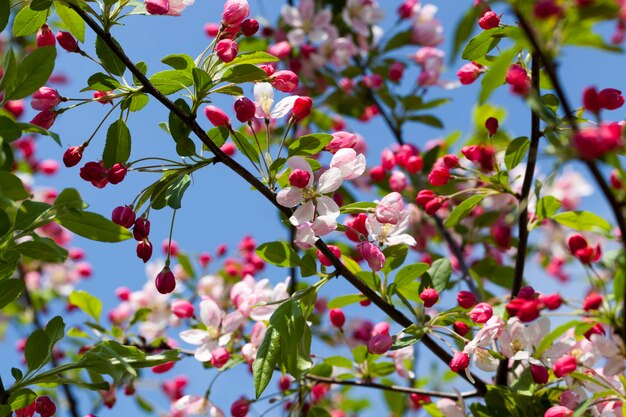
(451, 161)
(539, 373)
(94, 172)
(240, 408)
(377, 173)
(429, 296)
(302, 107)
(611, 99)
(518, 79)
(45, 37)
(67, 42)
(324, 260)
(124, 216)
(424, 197)
(249, 27)
(565, 365)
(163, 368)
(379, 344)
(469, 73)
(226, 50)
(45, 99)
(116, 173)
(235, 11)
(558, 411)
(461, 328)
(337, 318)
(591, 102)
(593, 301)
(44, 119)
(141, 229)
(551, 301)
(492, 125)
(439, 176)
(459, 362)
(481, 313)
(45, 407)
(244, 109)
(396, 71)
(418, 400)
(219, 357)
(466, 299)
(356, 226)
(73, 155)
(165, 281)
(285, 81)
(157, 7)
(299, 178)
(144, 250)
(489, 20)
(217, 116)
(28, 411)
(373, 255)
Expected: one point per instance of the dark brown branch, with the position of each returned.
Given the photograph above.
(571, 119)
(522, 220)
(395, 388)
(220, 156)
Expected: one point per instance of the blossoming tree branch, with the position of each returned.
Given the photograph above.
(445, 244)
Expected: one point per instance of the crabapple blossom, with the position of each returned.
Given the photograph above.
(481, 313)
(264, 101)
(360, 15)
(306, 24)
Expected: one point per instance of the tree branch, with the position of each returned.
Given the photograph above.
(395, 388)
(522, 221)
(571, 119)
(220, 156)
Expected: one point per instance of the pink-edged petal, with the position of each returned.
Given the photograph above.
(203, 353)
(289, 197)
(323, 225)
(326, 206)
(291, 16)
(232, 322)
(194, 336)
(303, 214)
(210, 314)
(305, 237)
(297, 162)
(330, 181)
(283, 107)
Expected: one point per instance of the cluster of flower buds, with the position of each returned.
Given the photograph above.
(608, 99)
(594, 142)
(96, 172)
(579, 247)
(45, 37)
(518, 79)
(527, 305)
(429, 201)
(44, 406)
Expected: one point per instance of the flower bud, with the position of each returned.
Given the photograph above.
(182, 309)
(163, 368)
(429, 296)
(377, 173)
(424, 197)
(67, 42)
(240, 408)
(469, 73)
(28, 411)
(611, 99)
(489, 20)
(461, 328)
(596, 329)
(15, 107)
(337, 317)
(356, 226)
(219, 357)
(418, 400)
(551, 301)
(563, 366)
(379, 344)
(165, 281)
(492, 125)
(244, 109)
(124, 216)
(558, 411)
(116, 173)
(235, 11)
(45, 99)
(439, 176)
(373, 255)
(268, 68)
(94, 172)
(285, 81)
(48, 166)
(414, 164)
(45, 407)
(249, 27)
(157, 7)
(451, 161)
(211, 29)
(73, 155)
(141, 229)
(433, 206)
(341, 140)
(390, 208)
(45, 37)
(593, 301)
(591, 101)
(459, 362)
(539, 373)
(217, 116)
(144, 250)
(481, 313)
(324, 260)
(396, 71)
(302, 107)
(102, 97)
(226, 50)
(44, 119)
(518, 79)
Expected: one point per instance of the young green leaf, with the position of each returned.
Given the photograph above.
(32, 73)
(582, 221)
(462, 210)
(266, 360)
(118, 144)
(37, 350)
(10, 289)
(279, 254)
(28, 21)
(87, 303)
(109, 60)
(93, 226)
(515, 152)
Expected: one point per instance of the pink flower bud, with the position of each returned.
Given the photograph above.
(228, 148)
(15, 107)
(489, 20)
(551, 301)
(249, 27)
(93, 172)
(302, 107)
(324, 260)
(45, 37)
(469, 72)
(211, 29)
(539, 373)
(429, 296)
(45, 407)
(285, 81)
(390, 208)
(226, 50)
(219, 357)
(144, 250)
(204, 259)
(591, 101)
(492, 125)
(141, 229)
(123, 293)
(28, 411)
(451, 161)
(45, 99)
(44, 119)
(398, 181)
(424, 197)
(124, 216)
(377, 173)
(459, 362)
(546, 8)
(182, 309)
(235, 11)
(72, 156)
(165, 281)
(558, 411)
(611, 99)
(461, 328)
(116, 173)
(419, 400)
(240, 408)
(341, 140)
(102, 97)
(379, 344)
(433, 206)
(569, 399)
(593, 301)
(593, 142)
(563, 366)
(372, 254)
(157, 7)
(67, 42)
(48, 166)
(268, 68)
(414, 164)
(356, 226)
(439, 176)
(518, 79)
(481, 313)
(280, 50)
(244, 109)
(405, 10)
(337, 318)
(596, 329)
(217, 116)
(163, 368)
(396, 71)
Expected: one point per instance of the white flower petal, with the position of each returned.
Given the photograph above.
(330, 181)
(203, 353)
(289, 197)
(283, 107)
(194, 336)
(326, 206)
(303, 214)
(210, 314)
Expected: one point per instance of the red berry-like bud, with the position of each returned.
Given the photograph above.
(377, 173)
(249, 27)
(141, 229)
(439, 176)
(429, 296)
(539, 373)
(45, 98)
(489, 20)
(469, 73)
(28, 411)
(424, 197)
(217, 116)
(356, 226)
(611, 99)
(461, 328)
(226, 50)
(379, 344)
(565, 365)
(45, 407)
(219, 357)
(414, 164)
(324, 260)
(396, 71)
(163, 368)
(240, 408)
(481, 313)
(94, 172)
(593, 301)
(466, 299)
(337, 318)
(45, 37)
(299, 178)
(285, 81)
(451, 161)
(551, 301)
(492, 125)
(518, 79)
(459, 362)
(591, 101)
(157, 7)
(302, 107)
(244, 109)
(124, 216)
(67, 42)
(182, 309)
(165, 281)
(433, 206)
(144, 250)
(44, 119)
(116, 173)
(72, 156)
(558, 411)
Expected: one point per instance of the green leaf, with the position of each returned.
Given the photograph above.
(258, 57)
(42, 249)
(548, 340)
(37, 350)
(138, 102)
(40, 4)
(219, 135)
(295, 337)
(9, 130)
(202, 82)
(32, 214)
(171, 81)
(5, 224)
(93, 226)
(28, 21)
(496, 74)
(243, 73)
(440, 273)
(101, 82)
(21, 398)
(32, 72)
(12, 187)
(279, 254)
(109, 60)
(480, 45)
(8, 265)
(395, 256)
(409, 274)
(10, 289)
(118, 143)
(72, 21)
(399, 40)
(69, 199)
(179, 129)
(359, 207)
(246, 147)
(427, 119)
(582, 221)
(5, 13)
(309, 144)
(515, 152)
(55, 329)
(462, 210)
(464, 30)
(266, 360)
(345, 300)
(87, 303)
(185, 147)
(30, 128)
(179, 61)
(547, 207)
(175, 192)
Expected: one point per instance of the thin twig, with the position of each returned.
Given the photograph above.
(220, 156)
(395, 388)
(522, 221)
